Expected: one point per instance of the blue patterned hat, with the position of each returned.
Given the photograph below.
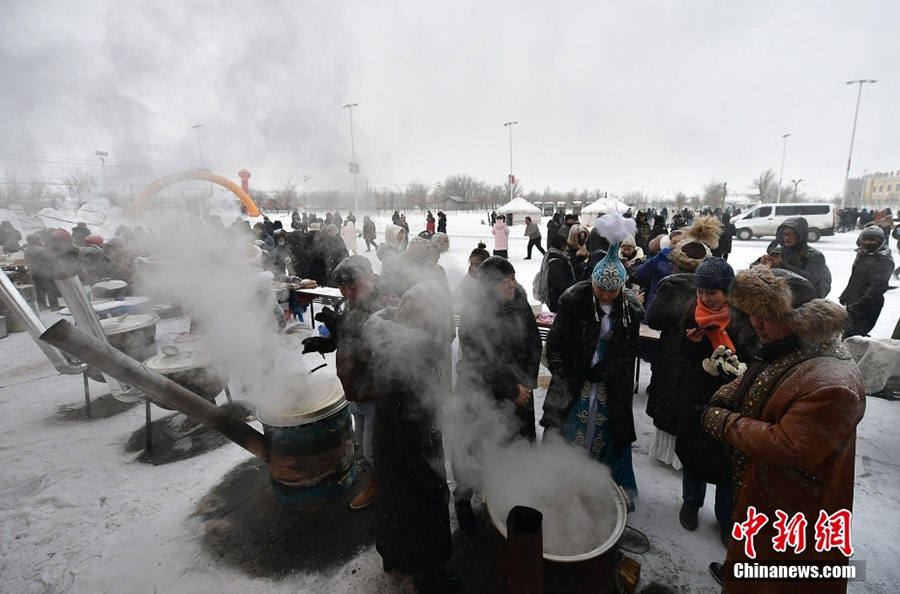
(609, 274)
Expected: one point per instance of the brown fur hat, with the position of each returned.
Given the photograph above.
(688, 254)
(782, 295)
(705, 229)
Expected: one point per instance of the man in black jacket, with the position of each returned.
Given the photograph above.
(798, 257)
(864, 295)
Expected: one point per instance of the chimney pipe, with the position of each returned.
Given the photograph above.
(117, 364)
(84, 315)
(525, 542)
(33, 325)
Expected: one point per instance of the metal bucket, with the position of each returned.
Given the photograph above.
(592, 570)
(310, 452)
(190, 369)
(133, 334)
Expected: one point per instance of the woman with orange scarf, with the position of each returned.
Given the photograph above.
(717, 342)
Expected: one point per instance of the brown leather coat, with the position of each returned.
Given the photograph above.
(794, 445)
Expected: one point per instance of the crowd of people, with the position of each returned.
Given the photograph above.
(751, 390)
(717, 392)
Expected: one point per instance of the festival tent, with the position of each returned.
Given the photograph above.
(603, 206)
(517, 209)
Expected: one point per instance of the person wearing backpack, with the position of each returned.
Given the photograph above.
(556, 274)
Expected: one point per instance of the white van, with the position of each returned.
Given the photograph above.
(764, 219)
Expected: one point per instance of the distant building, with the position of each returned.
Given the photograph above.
(882, 190)
(453, 203)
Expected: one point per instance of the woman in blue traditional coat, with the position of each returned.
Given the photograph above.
(591, 352)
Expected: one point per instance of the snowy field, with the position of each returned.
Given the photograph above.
(78, 513)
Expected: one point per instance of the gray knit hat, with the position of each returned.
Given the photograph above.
(714, 273)
(351, 269)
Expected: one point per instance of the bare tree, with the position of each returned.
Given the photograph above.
(78, 185)
(765, 186)
(713, 194)
(466, 187)
(416, 195)
(681, 200)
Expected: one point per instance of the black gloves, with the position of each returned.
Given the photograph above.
(331, 319)
(319, 344)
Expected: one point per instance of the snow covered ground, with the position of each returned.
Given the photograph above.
(79, 513)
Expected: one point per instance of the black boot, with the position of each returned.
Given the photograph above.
(716, 570)
(688, 516)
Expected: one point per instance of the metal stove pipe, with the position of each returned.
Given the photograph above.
(525, 542)
(84, 315)
(117, 364)
(33, 325)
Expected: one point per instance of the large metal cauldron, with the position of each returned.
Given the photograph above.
(193, 370)
(311, 452)
(133, 334)
(593, 570)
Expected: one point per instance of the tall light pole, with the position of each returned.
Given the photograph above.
(796, 183)
(102, 156)
(860, 82)
(512, 178)
(781, 175)
(354, 166)
(199, 146)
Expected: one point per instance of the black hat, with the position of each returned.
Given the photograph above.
(713, 273)
(495, 269)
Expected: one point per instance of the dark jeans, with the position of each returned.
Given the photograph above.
(534, 242)
(373, 243)
(693, 492)
(502, 253)
(45, 289)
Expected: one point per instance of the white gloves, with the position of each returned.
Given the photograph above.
(723, 363)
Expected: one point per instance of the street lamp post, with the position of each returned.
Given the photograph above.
(860, 82)
(200, 148)
(306, 181)
(781, 175)
(354, 167)
(102, 156)
(512, 178)
(796, 183)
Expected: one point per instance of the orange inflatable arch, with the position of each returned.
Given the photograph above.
(153, 188)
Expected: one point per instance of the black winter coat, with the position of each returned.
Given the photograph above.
(412, 523)
(560, 276)
(570, 348)
(801, 259)
(869, 279)
(705, 457)
(674, 295)
(501, 348)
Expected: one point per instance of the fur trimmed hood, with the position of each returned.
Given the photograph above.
(782, 295)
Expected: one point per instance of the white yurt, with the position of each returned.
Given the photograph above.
(517, 209)
(602, 206)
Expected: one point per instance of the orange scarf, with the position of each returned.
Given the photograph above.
(706, 316)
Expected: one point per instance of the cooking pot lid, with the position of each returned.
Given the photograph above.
(110, 285)
(127, 322)
(316, 404)
(179, 361)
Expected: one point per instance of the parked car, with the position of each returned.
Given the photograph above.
(763, 219)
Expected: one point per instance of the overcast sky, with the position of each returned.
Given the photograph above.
(661, 96)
